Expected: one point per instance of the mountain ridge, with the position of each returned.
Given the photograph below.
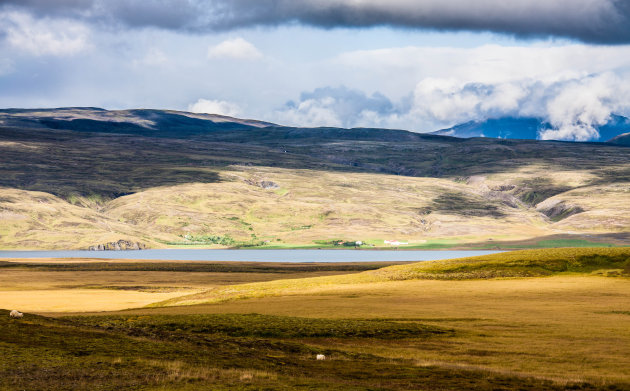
(149, 122)
(527, 128)
(176, 124)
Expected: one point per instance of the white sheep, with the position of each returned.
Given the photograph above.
(16, 314)
(320, 357)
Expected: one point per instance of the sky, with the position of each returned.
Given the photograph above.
(420, 65)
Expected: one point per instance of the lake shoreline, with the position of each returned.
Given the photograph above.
(271, 256)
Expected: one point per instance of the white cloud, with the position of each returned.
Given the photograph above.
(583, 104)
(487, 63)
(339, 107)
(574, 107)
(219, 107)
(311, 113)
(237, 49)
(443, 102)
(574, 87)
(40, 37)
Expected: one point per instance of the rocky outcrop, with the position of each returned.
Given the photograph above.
(559, 210)
(118, 246)
(503, 188)
(262, 184)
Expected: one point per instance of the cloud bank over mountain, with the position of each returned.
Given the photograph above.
(575, 88)
(574, 107)
(340, 107)
(598, 21)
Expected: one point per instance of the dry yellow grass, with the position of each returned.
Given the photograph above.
(16, 280)
(563, 328)
(567, 328)
(510, 264)
(78, 300)
(34, 290)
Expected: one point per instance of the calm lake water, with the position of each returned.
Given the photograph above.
(254, 255)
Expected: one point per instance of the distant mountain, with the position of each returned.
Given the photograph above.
(526, 128)
(622, 139)
(179, 124)
(143, 122)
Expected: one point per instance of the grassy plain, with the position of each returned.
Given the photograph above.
(51, 285)
(563, 328)
(524, 263)
(526, 320)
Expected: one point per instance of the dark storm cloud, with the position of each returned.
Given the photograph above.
(51, 7)
(597, 21)
(167, 14)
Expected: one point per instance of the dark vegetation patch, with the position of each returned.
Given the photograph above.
(463, 205)
(427, 319)
(265, 326)
(535, 191)
(612, 174)
(561, 211)
(135, 288)
(338, 242)
(262, 184)
(7, 200)
(193, 240)
(89, 125)
(504, 188)
(177, 353)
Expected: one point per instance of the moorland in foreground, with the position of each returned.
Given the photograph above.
(553, 319)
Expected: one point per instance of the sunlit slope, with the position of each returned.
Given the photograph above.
(303, 206)
(280, 207)
(525, 263)
(37, 220)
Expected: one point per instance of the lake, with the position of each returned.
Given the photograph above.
(255, 255)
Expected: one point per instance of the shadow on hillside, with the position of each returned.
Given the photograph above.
(108, 165)
(101, 167)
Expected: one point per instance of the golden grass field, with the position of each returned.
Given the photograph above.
(561, 328)
(567, 322)
(102, 290)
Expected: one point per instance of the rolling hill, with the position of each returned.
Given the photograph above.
(78, 177)
(622, 139)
